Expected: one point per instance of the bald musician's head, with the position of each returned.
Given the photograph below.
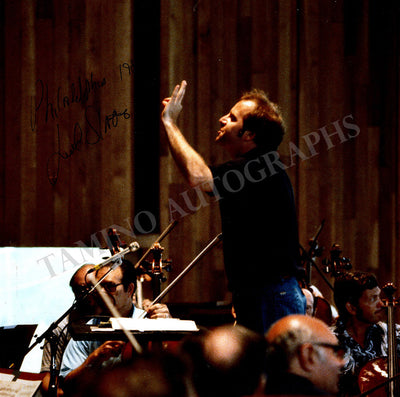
(80, 286)
(228, 360)
(305, 346)
(78, 279)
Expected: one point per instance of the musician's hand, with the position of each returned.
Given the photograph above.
(104, 352)
(173, 105)
(159, 310)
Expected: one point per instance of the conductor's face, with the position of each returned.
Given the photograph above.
(231, 134)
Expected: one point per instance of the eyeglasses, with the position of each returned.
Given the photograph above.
(110, 287)
(337, 349)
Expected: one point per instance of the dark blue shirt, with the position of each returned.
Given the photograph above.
(259, 222)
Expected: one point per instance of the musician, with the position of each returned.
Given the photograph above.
(310, 301)
(259, 225)
(226, 361)
(317, 305)
(303, 357)
(80, 356)
(79, 287)
(160, 373)
(360, 328)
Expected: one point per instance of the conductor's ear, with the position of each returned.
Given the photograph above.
(247, 135)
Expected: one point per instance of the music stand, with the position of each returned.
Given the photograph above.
(14, 342)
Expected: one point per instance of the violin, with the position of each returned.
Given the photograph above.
(141, 265)
(156, 269)
(153, 270)
(373, 379)
(323, 310)
(319, 307)
(337, 264)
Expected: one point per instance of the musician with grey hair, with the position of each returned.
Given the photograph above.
(303, 357)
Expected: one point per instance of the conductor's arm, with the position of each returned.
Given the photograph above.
(190, 163)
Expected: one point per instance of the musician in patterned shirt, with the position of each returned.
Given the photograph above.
(361, 327)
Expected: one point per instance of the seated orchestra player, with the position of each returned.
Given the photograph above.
(61, 332)
(303, 357)
(158, 373)
(310, 301)
(120, 285)
(361, 327)
(318, 306)
(226, 361)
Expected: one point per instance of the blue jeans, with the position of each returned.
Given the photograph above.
(259, 309)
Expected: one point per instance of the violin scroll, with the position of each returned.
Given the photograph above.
(337, 263)
(389, 289)
(114, 242)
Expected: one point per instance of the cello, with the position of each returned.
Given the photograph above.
(154, 269)
(336, 265)
(379, 376)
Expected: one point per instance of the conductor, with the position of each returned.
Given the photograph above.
(256, 201)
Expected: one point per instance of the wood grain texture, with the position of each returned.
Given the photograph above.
(332, 66)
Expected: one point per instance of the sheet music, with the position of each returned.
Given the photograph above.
(143, 325)
(18, 388)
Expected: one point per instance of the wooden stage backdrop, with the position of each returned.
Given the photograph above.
(82, 148)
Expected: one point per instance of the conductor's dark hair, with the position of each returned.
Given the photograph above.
(265, 121)
(349, 287)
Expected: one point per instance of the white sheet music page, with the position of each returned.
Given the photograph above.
(143, 325)
(17, 388)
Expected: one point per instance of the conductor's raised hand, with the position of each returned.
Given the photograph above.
(173, 104)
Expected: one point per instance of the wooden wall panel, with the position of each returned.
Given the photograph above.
(194, 39)
(28, 141)
(64, 74)
(12, 139)
(68, 166)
